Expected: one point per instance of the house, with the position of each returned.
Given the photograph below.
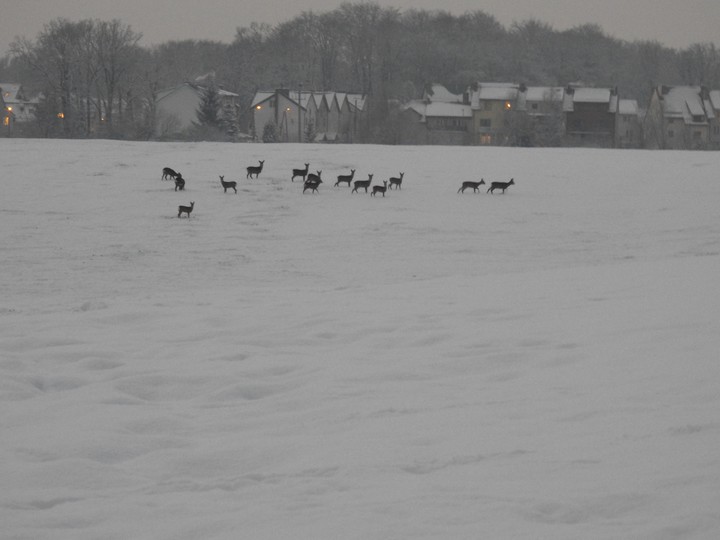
(15, 108)
(628, 125)
(680, 117)
(538, 118)
(490, 104)
(18, 103)
(297, 115)
(714, 105)
(177, 107)
(590, 116)
(440, 117)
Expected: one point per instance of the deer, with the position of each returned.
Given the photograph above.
(302, 173)
(380, 189)
(168, 173)
(362, 184)
(397, 182)
(500, 185)
(345, 178)
(179, 182)
(227, 185)
(186, 209)
(254, 170)
(312, 183)
(473, 185)
(314, 178)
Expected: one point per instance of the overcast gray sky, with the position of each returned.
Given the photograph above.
(675, 23)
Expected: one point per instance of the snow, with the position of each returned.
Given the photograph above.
(538, 364)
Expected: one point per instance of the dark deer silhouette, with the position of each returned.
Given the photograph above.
(500, 185)
(347, 178)
(254, 170)
(362, 184)
(469, 185)
(312, 184)
(302, 173)
(179, 182)
(227, 185)
(186, 209)
(380, 189)
(312, 177)
(168, 173)
(396, 181)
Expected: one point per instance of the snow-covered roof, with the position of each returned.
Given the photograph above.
(354, 100)
(628, 107)
(583, 94)
(10, 92)
(438, 93)
(685, 102)
(715, 100)
(439, 110)
(496, 91)
(544, 93)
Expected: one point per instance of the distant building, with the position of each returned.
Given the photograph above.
(308, 116)
(590, 116)
(681, 118)
(440, 117)
(176, 108)
(15, 106)
(628, 125)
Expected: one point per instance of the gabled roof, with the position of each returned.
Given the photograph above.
(496, 91)
(684, 102)
(715, 100)
(438, 93)
(583, 94)
(356, 101)
(438, 110)
(628, 107)
(11, 92)
(544, 93)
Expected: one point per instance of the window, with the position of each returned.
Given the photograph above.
(485, 139)
(485, 122)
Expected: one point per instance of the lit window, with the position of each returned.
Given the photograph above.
(61, 115)
(6, 121)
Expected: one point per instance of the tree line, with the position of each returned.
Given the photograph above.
(96, 73)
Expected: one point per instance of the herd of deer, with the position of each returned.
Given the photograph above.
(311, 182)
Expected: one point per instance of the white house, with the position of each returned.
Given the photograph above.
(177, 107)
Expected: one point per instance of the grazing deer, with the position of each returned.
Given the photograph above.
(345, 178)
(186, 209)
(500, 185)
(312, 184)
(302, 173)
(179, 182)
(473, 185)
(168, 173)
(314, 177)
(397, 182)
(254, 170)
(227, 185)
(380, 189)
(362, 184)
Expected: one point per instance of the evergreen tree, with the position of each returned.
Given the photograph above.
(208, 114)
(270, 132)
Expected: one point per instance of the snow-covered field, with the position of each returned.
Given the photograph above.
(427, 365)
